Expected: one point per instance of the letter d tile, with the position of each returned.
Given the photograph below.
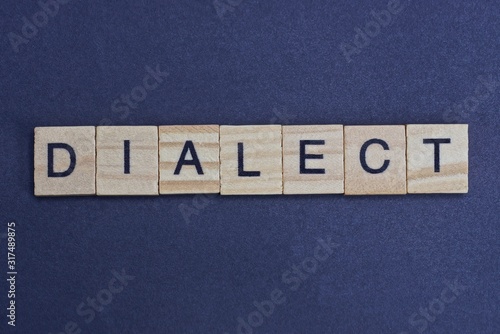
(64, 161)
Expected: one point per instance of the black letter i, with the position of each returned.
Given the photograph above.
(126, 156)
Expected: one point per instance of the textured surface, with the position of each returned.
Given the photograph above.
(441, 165)
(200, 262)
(199, 172)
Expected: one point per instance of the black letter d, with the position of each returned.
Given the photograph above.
(50, 158)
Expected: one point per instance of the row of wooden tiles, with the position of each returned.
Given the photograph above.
(251, 160)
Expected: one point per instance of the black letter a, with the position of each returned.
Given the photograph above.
(194, 162)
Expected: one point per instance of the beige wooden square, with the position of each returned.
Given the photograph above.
(189, 159)
(261, 154)
(72, 167)
(441, 164)
(117, 177)
(384, 158)
(320, 170)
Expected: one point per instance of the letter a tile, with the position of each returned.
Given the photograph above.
(189, 159)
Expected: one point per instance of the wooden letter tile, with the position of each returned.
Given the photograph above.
(64, 161)
(437, 158)
(251, 160)
(189, 159)
(127, 160)
(375, 160)
(313, 159)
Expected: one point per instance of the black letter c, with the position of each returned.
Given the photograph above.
(362, 156)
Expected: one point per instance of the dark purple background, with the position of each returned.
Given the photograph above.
(263, 62)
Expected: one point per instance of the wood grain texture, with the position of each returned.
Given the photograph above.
(332, 161)
(424, 174)
(81, 181)
(391, 181)
(205, 141)
(262, 153)
(142, 178)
